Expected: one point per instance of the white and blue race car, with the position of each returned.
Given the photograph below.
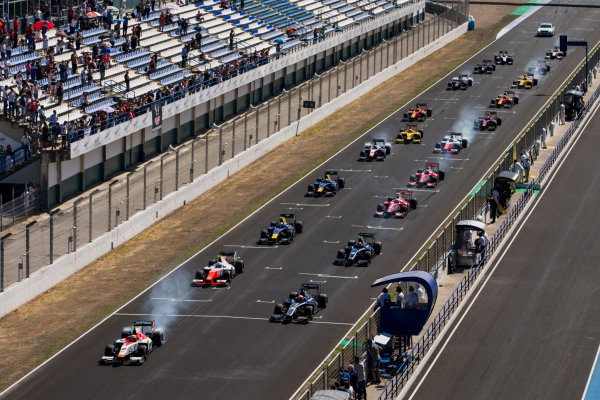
(359, 252)
(301, 306)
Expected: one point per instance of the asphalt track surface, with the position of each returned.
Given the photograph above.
(219, 343)
(533, 330)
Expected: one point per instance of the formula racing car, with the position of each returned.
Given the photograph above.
(377, 149)
(506, 100)
(301, 306)
(327, 186)
(398, 206)
(410, 135)
(461, 82)
(452, 143)
(428, 177)
(221, 271)
(486, 67)
(540, 67)
(554, 53)
(282, 231)
(490, 121)
(419, 113)
(359, 251)
(503, 58)
(527, 81)
(136, 343)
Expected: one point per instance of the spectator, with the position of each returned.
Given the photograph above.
(412, 299)
(373, 351)
(353, 378)
(526, 167)
(231, 36)
(59, 92)
(518, 168)
(127, 83)
(421, 294)
(383, 299)
(125, 24)
(399, 297)
(361, 391)
(348, 389)
(543, 138)
(494, 204)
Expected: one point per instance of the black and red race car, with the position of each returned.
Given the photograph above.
(507, 99)
(428, 177)
(420, 113)
(398, 206)
(540, 67)
(490, 121)
(452, 143)
(460, 82)
(486, 67)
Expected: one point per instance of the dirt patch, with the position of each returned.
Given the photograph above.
(66, 311)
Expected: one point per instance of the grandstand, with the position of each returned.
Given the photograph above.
(200, 62)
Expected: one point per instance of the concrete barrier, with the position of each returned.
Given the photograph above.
(45, 278)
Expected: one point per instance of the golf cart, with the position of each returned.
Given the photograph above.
(505, 183)
(573, 104)
(464, 253)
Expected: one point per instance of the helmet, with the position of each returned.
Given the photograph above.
(300, 299)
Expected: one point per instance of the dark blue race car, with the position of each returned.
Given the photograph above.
(327, 186)
(300, 306)
(359, 251)
(282, 231)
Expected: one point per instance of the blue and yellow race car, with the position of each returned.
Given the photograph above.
(327, 186)
(282, 231)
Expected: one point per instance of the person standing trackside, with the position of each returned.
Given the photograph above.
(361, 386)
(382, 299)
(493, 206)
(399, 297)
(526, 166)
(544, 134)
(562, 114)
(373, 350)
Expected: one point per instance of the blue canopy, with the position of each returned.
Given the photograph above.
(398, 321)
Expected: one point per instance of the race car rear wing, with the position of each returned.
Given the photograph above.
(286, 216)
(310, 286)
(413, 124)
(366, 235)
(227, 253)
(331, 172)
(143, 323)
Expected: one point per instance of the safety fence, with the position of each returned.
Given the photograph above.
(68, 228)
(18, 208)
(436, 254)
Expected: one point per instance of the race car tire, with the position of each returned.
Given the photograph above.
(298, 227)
(198, 275)
(442, 175)
(429, 112)
(309, 311)
(499, 121)
(239, 266)
(465, 143)
(413, 204)
(493, 67)
(388, 149)
(470, 82)
(109, 350)
(367, 255)
(322, 301)
(362, 154)
(377, 248)
(413, 178)
(278, 309)
(547, 68)
(535, 82)
(264, 234)
(142, 350)
(125, 332)
(341, 183)
(351, 243)
(380, 208)
(421, 132)
(158, 337)
(341, 254)
(227, 276)
(293, 295)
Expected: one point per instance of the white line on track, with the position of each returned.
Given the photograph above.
(377, 227)
(355, 170)
(266, 301)
(188, 300)
(331, 242)
(221, 317)
(274, 268)
(313, 281)
(333, 216)
(295, 208)
(449, 158)
(304, 205)
(328, 276)
(243, 246)
(419, 190)
(381, 176)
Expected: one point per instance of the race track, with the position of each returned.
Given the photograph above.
(533, 330)
(219, 343)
